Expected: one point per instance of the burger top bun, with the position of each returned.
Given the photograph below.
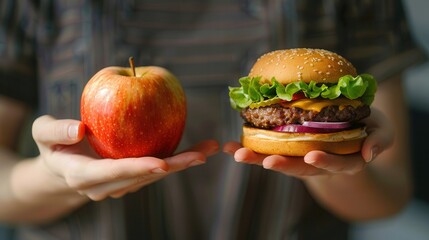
(304, 64)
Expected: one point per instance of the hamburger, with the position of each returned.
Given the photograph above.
(297, 100)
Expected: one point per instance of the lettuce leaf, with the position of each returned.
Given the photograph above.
(252, 91)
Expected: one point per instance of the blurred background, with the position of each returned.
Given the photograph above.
(413, 222)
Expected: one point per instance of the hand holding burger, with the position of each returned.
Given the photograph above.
(298, 100)
(302, 127)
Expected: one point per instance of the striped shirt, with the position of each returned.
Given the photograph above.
(56, 46)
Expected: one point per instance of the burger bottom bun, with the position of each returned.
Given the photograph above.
(298, 144)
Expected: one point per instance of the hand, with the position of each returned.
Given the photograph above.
(75, 167)
(380, 137)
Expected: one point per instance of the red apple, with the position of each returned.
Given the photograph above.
(133, 112)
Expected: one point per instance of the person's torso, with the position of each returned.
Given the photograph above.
(208, 45)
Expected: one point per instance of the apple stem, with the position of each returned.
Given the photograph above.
(133, 68)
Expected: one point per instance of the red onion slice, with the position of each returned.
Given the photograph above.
(297, 128)
(327, 125)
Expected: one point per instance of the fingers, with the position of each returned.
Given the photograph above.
(120, 193)
(82, 173)
(348, 164)
(380, 135)
(248, 156)
(118, 188)
(99, 179)
(102, 178)
(194, 156)
(50, 131)
(292, 166)
(314, 163)
(103, 191)
(184, 160)
(231, 147)
(109, 183)
(243, 155)
(376, 142)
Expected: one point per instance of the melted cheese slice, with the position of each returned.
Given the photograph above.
(318, 104)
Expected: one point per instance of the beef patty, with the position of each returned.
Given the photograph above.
(276, 115)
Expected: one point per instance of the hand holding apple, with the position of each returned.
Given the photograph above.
(67, 168)
(133, 112)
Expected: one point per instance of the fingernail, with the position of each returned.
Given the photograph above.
(73, 131)
(195, 163)
(158, 170)
(267, 165)
(310, 161)
(374, 153)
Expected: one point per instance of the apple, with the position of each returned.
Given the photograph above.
(133, 111)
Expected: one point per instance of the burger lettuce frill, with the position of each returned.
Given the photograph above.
(253, 94)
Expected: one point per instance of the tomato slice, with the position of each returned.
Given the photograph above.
(297, 96)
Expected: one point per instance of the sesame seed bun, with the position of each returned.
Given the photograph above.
(304, 64)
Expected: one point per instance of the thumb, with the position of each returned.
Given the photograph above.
(51, 131)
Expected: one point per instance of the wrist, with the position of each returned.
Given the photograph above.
(36, 195)
(33, 183)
